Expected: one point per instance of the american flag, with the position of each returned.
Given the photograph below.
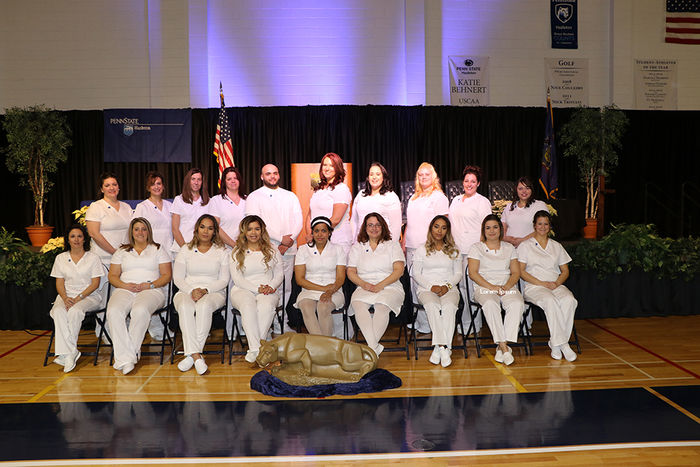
(223, 147)
(683, 21)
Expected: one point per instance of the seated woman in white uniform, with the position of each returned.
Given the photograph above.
(375, 265)
(377, 196)
(544, 265)
(201, 274)
(493, 267)
(256, 270)
(139, 272)
(187, 207)
(77, 273)
(319, 269)
(517, 215)
(437, 270)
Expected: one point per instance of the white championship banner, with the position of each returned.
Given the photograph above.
(656, 84)
(567, 81)
(469, 80)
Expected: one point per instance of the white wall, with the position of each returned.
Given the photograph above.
(94, 54)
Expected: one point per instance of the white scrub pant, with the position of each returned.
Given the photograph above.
(441, 312)
(559, 306)
(505, 329)
(257, 313)
(422, 320)
(67, 323)
(139, 306)
(372, 325)
(195, 318)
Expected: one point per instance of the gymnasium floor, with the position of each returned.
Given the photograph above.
(632, 398)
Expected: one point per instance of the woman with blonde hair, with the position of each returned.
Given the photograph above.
(201, 274)
(427, 202)
(437, 270)
(256, 270)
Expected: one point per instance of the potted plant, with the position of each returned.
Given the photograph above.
(38, 140)
(593, 136)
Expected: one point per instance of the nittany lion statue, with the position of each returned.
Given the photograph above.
(319, 356)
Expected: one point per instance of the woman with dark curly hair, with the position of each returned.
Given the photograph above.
(517, 215)
(378, 196)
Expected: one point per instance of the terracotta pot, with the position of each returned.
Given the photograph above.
(39, 234)
(590, 231)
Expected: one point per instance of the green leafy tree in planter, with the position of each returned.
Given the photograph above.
(593, 136)
(38, 140)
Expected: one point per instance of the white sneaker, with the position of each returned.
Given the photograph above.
(201, 366)
(556, 351)
(60, 360)
(445, 357)
(508, 357)
(126, 369)
(70, 361)
(569, 354)
(435, 356)
(185, 364)
(251, 355)
(499, 356)
(379, 349)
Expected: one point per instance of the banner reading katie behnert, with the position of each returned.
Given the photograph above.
(656, 84)
(148, 135)
(469, 80)
(567, 80)
(564, 19)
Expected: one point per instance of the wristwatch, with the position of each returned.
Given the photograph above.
(81, 296)
(153, 286)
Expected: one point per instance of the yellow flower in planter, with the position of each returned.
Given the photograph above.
(52, 244)
(79, 215)
(498, 206)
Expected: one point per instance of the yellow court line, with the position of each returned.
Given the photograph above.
(685, 412)
(506, 372)
(48, 388)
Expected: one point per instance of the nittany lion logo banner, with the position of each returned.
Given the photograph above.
(564, 18)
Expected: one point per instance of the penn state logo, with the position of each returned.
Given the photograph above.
(128, 130)
(564, 12)
(469, 62)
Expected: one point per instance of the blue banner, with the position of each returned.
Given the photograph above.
(148, 135)
(564, 18)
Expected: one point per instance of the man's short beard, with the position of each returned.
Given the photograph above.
(269, 185)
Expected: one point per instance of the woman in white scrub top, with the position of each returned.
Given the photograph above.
(319, 269)
(139, 272)
(427, 202)
(188, 207)
(78, 273)
(228, 207)
(375, 265)
(544, 265)
(108, 219)
(493, 266)
(517, 216)
(156, 209)
(377, 196)
(437, 270)
(201, 274)
(332, 199)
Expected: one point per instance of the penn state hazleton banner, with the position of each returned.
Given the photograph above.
(564, 24)
(148, 135)
(469, 80)
(656, 84)
(567, 81)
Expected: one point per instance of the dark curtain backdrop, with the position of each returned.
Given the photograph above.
(660, 147)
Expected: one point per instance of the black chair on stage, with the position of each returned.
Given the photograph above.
(453, 188)
(100, 317)
(501, 189)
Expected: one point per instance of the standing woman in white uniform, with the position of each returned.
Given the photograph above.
(201, 274)
(108, 219)
(319, 269)
(77, 273)
(437, 270)
(156, 209)
(188, 207)
(139, 272)
(375, 264)
(427, 202)
(517, 216)
(332, 199)
(467, 212)
(377, 196)
(544, 265)
(228, 207)
(493, 266)
(256, 270)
